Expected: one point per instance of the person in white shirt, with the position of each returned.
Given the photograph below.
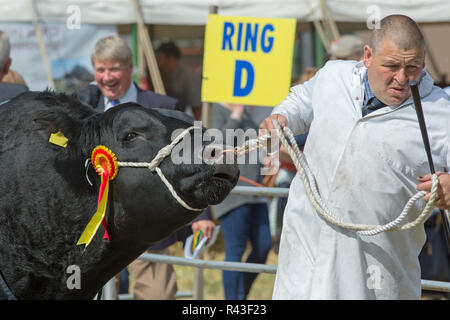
(366, 152)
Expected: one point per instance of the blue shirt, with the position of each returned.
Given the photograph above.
(368, 94)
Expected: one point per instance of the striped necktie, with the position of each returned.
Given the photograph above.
(372, 105)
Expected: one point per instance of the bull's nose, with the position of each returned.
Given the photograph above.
(218, 154)
(227, 172)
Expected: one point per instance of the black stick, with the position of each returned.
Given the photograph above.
(423, 129)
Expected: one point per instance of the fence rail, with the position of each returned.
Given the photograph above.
(109, 289)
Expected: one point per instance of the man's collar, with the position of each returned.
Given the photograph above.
(129, 96)
(368, 94)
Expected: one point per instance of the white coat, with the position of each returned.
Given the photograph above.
(366, 170)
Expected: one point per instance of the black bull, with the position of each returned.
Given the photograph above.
(46, 200)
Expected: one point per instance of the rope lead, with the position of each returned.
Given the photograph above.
(321, 207)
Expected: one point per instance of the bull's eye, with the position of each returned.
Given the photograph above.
(131, 136)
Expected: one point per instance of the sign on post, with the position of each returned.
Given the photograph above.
(247, 60)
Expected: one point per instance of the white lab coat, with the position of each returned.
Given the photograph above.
(366, 170)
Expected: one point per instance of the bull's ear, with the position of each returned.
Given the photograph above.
(56, 127)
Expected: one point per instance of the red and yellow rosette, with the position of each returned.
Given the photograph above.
(106, 165)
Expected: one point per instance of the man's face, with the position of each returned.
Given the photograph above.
(390, 70)
(112, 77)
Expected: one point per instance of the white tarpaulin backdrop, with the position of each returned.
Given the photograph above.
(96, 18)
(68, 52)
(195, 12)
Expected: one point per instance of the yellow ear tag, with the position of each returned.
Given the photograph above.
(59, 139)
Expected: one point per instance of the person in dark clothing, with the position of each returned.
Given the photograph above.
(7, 90)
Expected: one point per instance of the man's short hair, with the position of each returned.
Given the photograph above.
(5, 48)
(402, 30)
(170, 49)
(112, 48)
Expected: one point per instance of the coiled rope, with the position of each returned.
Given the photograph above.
(321, 207)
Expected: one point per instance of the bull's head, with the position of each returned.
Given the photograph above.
(138, 196)
(137, 135)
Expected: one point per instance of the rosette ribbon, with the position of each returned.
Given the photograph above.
(106, 165)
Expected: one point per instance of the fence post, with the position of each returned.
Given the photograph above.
(197, 289)
(109, 290)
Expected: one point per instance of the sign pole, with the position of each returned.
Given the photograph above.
(207, 106)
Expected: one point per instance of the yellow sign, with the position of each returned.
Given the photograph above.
(247, 60)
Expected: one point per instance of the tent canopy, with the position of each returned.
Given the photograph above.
(195, 12)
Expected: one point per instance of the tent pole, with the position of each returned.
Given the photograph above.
(207, 106)
(37, 30)
(318, 49)
(329, 19)
(144, 38)
(134, 43)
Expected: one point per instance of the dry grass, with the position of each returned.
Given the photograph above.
(213, 289)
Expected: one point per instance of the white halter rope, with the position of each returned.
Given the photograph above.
(324, 211)
(153, 166)
(321, 207)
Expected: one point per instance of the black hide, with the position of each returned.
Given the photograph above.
(46, 201)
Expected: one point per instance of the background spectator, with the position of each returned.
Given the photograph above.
(8, 89)
(179, 81)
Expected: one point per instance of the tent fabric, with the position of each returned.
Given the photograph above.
(171, 12)
(428, 11)
(195, 12)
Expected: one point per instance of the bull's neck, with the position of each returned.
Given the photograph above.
(106, 261)
(105, 258)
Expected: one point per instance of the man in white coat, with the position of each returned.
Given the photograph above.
(366, 161)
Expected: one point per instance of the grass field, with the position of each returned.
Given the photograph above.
(213, 288)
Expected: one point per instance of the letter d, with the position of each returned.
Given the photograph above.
(239, 91)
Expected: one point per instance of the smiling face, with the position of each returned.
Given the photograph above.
(391, 68)
(112, 77)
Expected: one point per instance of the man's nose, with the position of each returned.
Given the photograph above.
(401, 77)
(107, 75)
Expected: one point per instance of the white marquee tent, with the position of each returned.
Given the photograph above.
(107, 13)
(195, 12)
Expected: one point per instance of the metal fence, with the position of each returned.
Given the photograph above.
(109, 289)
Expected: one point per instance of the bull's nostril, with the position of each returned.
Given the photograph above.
(212, 154)
(223, 176)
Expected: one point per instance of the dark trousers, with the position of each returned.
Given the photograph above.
(247, 222)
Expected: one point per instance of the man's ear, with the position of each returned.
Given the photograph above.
(5, 68)
(368, 56)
